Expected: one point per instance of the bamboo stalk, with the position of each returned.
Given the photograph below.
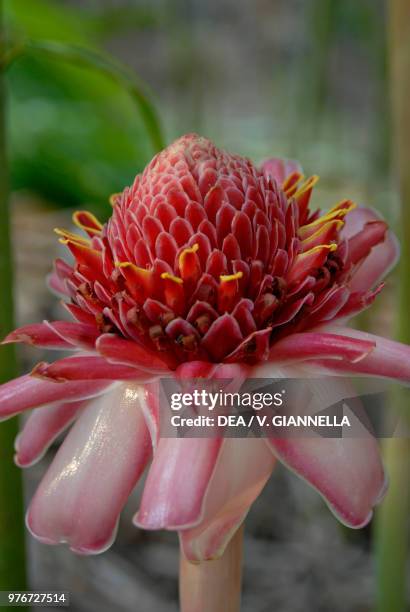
(392, 530)
(12, 546)
(213, 586)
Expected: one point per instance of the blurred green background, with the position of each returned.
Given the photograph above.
(269, 77)
(75, 136)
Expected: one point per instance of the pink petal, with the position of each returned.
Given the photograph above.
(314, 345)
(57, 285)
(382, 257)
(180, 473)
(177, 482)
(41, 429)
(80, 335)
(243, 468)
(389, 359)
(88, 367)
(222, 337)
(28, 392)
(357, 302)
(126, 352)
(83, 492)
(346, 471)
(148, 396)
(254, 348)
(360, 245)
(279, 169)
(38, 334)
(356, 219)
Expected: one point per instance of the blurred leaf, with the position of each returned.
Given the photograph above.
(48, 18)
(75, 135)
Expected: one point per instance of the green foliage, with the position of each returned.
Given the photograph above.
(75, 136)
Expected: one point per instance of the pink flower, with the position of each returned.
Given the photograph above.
(210, 267)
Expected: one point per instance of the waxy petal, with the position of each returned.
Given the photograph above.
(243, 468)
(117, 350)
(222, 337)
(83, 492)
(88, 367)
(41, 429)
(382, 257)
(28, 392)
(79, 335)
(177, 482)
(280, 169)
(313, 345)
(346, 471)
(39, 334)
(388, 359)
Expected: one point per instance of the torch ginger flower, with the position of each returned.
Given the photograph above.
(208, 267)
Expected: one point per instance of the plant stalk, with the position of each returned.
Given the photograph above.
(392, 528)
(12, 533)
(213, 586)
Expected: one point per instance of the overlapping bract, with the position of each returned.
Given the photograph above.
(207, 258)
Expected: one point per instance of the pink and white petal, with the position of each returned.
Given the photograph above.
(180, 473)
(389, 359)
(242, 470)
(28, 392)
(357, 218)
(357, 302)
(42, 428)
(346, 471)
(88, 367)
(382, 257)
(38, 334)
(177, 482)
(84, 490)
(279, 169)
(79, 335)
(320, 344)
(127, 352)
(148, 395)
(57, 285)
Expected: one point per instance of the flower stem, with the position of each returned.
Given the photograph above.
(12, 547)
(392, 528)
(213, 586)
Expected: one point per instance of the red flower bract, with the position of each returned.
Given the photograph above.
(207, 257)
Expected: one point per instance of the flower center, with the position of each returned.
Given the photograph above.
(207, 257)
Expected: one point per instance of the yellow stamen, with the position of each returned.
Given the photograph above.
(175, 279)
(338, 222)
(70, 237)
(334, 213)
(308, 184)
(350, 206)
(225, 278)
(193, 249)
(113, 197)
(288, 182)
(80, 245)
(331, 247)
(87, 228)
(186, 252)
(129, 264)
